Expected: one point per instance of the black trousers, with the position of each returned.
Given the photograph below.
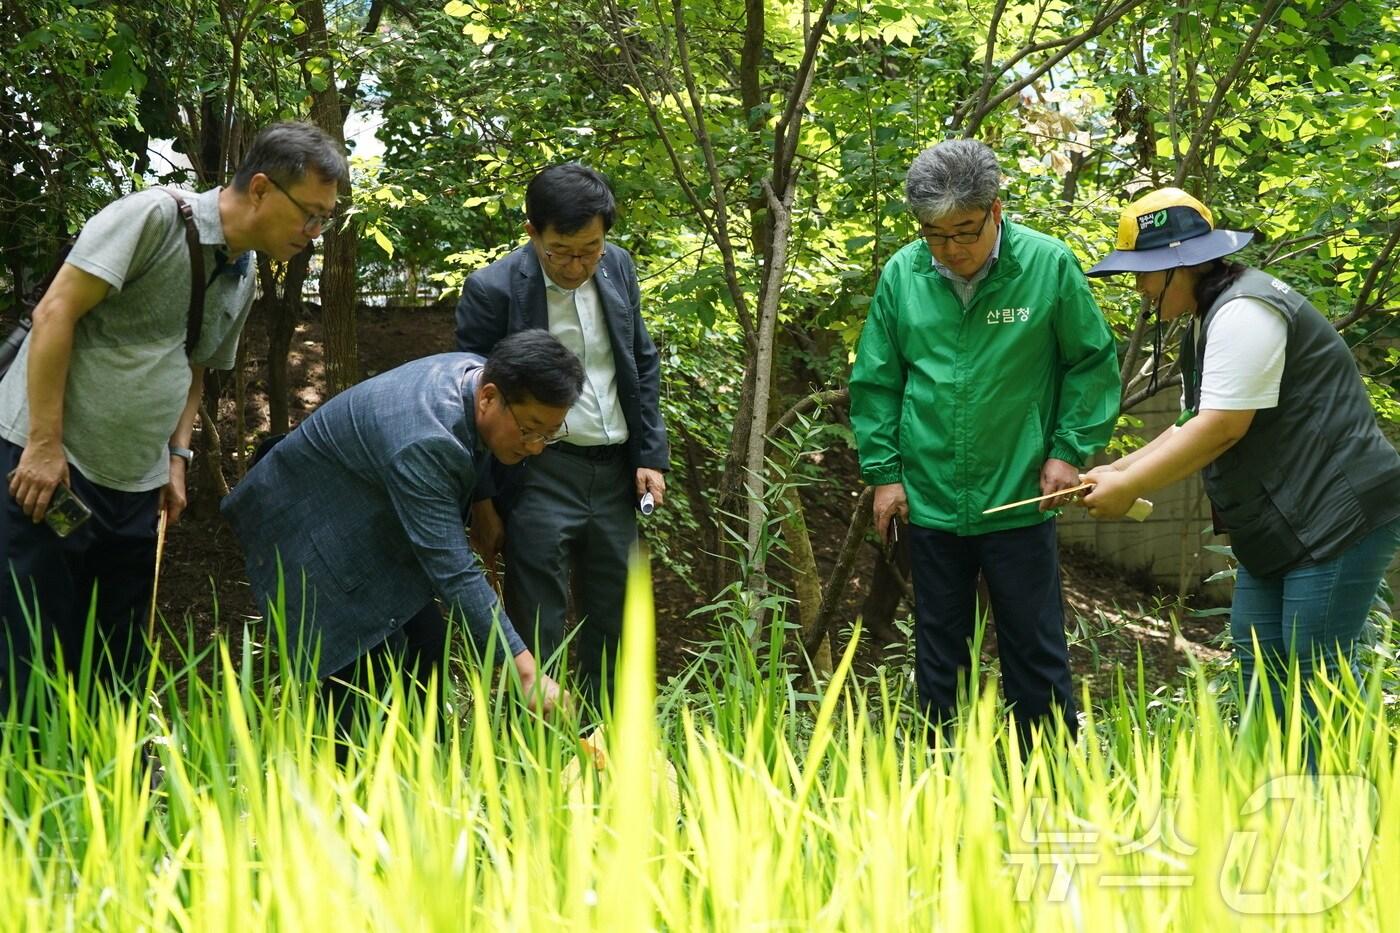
(572, 519)
(1022, 570)
(416, 651)
(52, 585)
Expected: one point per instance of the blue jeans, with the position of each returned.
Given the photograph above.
(1312, 616)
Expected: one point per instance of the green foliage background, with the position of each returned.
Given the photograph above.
(475, 97)
(1280, 114)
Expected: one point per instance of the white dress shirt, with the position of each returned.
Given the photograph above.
(576, 320)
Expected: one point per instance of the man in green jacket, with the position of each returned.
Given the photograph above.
(985, 374)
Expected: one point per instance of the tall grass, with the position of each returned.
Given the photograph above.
(828, 814)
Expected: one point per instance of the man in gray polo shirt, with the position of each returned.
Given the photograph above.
(102, 399)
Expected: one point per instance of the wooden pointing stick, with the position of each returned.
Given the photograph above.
(155, 584)
(1139, 511)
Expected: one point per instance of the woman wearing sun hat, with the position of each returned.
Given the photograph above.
(1278, 421)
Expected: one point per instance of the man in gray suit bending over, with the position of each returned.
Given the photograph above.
(360, 509)
(572, 510)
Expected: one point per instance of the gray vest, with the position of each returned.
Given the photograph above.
(1313, 475)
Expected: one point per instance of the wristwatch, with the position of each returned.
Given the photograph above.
(184, 453)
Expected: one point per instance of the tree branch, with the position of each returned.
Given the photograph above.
(984, 90)
(814, 400)
(620, 37)
(1273, 254)
(714, 219)
(1360, 309)
(786, 133)
(721, 206)
(841, 573)
(350, 90)
(975, 113)
(1133, 353)
(1142, 395)
(1193, 152)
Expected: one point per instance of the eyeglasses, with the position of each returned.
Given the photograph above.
(565, 259)
(938, 239)
(535, 437)
(314, 220)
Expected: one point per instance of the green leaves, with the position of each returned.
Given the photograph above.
(1291, 17)
(381, 240)
(122, 75)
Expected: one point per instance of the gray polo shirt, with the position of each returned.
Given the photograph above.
(128, 377)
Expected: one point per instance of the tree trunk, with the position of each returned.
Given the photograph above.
(751, 97)
(696, 491)
(283, 306)
(240, 420)
(727, 497)
(882, 600)
(208, 486)
(807, 584)
(754, 485)
(341, 239)
(835, 589)
(338, 310)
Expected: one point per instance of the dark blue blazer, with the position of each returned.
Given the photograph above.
(509, 295)
(356, 517)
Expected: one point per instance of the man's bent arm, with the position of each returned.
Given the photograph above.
(877, 395)
(71, 296)
(421, 489)
(184, 428)
(174, 497)
(1089, 387)
(43, 464)
(429, 506)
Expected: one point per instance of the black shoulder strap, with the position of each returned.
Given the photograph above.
(194, 319)
(1193, 360)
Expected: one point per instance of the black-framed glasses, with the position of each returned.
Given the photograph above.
(938, 239)
(535, 437)
(564, 259)
(314, 219)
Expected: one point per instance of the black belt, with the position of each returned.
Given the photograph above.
(599, 454)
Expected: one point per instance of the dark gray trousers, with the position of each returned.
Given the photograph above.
(573, 516)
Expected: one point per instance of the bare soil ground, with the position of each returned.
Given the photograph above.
(1117, 616)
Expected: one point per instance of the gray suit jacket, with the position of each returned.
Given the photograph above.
(364, 504)
(508, 296)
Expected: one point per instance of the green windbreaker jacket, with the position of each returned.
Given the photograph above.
(964, 405)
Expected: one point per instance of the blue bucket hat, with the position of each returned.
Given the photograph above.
(1166, 229)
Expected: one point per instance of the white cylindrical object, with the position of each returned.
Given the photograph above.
(1140, 510)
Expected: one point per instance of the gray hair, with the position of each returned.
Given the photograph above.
(285, 152)
(955, 175)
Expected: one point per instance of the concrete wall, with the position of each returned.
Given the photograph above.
(1169, 545)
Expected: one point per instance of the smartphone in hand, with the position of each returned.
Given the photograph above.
(897, 545)
(65, 512)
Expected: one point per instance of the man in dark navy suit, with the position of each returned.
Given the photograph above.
(354, 521)
(572, 510)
